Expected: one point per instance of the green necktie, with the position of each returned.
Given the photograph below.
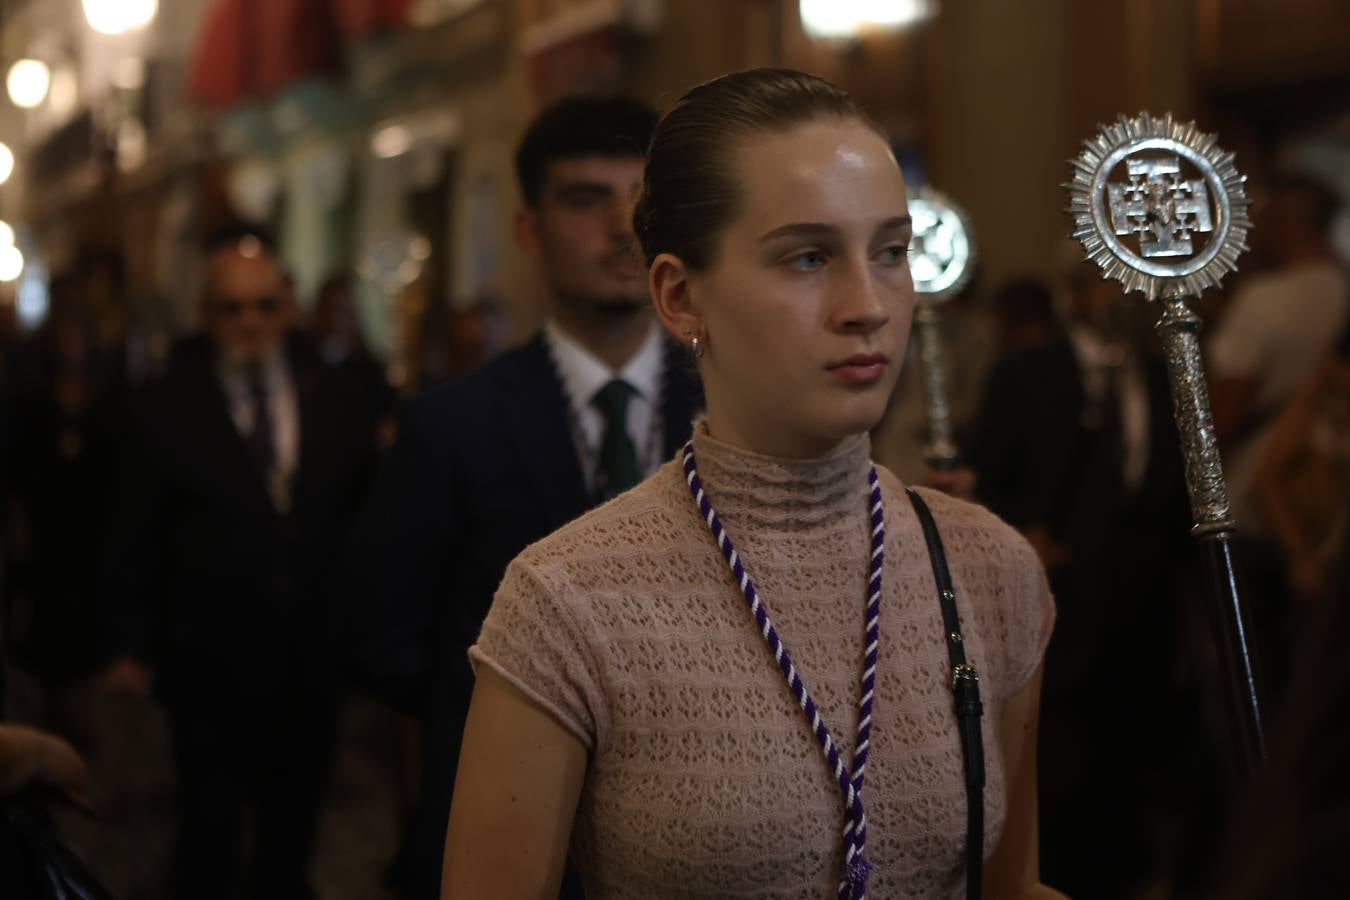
(618, 456)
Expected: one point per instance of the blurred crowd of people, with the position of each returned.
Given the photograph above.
(249, 537)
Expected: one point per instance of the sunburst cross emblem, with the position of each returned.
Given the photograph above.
(1156, 201)
(942, 257)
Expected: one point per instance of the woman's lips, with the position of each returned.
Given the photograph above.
(862, 369)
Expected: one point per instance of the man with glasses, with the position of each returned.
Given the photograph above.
(244, 466)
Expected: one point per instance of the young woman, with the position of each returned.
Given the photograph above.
(630, 706)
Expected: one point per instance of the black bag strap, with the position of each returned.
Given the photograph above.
(969, 709)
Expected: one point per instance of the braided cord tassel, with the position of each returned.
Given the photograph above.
(853, 884)
(856, 866)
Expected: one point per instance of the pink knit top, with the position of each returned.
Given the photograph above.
(705, 779)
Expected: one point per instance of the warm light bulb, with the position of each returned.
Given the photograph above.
(11, 263)
(6, 166)
(829, 18)
(845, 19)
(119, 16)
(28, 82)
(895, 13)
(6, 234)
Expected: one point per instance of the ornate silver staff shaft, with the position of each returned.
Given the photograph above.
(942, 257)
(1179, 328)
(1142, 217)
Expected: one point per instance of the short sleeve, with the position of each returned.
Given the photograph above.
(531, 637)
(1031, 619)
(1238, 348)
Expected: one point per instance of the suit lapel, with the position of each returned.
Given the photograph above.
(537, 421)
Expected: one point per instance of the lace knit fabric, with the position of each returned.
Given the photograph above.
(704, 777)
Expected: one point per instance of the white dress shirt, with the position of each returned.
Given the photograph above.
(1276, 329)
(583, 375)
(283, 407)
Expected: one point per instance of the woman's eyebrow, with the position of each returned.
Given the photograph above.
(800, 229)
(821, 229)
(896, 222)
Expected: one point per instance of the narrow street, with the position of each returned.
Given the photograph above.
(133, 791)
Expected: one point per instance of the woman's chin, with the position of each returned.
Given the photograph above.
(842, 423)
(863, 413)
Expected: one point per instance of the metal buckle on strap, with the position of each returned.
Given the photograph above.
(964, 672)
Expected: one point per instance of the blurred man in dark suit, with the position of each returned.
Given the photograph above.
(1075, 447)
(595, 402)
(245, 465)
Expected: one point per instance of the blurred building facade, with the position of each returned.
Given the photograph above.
(376, 135)
(375, 138)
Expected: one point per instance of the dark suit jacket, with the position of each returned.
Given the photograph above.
(1032, 452)
(229, 598)
(1036, 465)
(482, 468)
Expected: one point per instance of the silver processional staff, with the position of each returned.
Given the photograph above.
(942, 257)
(1162, 210)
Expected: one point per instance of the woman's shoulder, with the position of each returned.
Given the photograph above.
(966, 528)
(1001, 587)
(650, 515)
(561, 601)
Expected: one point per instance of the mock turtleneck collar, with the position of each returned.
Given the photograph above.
(751, 488)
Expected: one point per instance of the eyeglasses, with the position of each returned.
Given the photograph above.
(234, 308)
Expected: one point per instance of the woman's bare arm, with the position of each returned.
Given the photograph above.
(1013, 870)
(520, 777)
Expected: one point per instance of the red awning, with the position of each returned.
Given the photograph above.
(251, 49)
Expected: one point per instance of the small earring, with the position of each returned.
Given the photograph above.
(687, 331)
(698, 349)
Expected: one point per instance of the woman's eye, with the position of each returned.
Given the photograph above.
(807, 261)
(895, 254)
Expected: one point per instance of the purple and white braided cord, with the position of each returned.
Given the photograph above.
(853, 885)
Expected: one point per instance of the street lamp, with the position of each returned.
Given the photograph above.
(119, 16)
(28, 82)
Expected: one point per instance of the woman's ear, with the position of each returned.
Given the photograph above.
(672, 295)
